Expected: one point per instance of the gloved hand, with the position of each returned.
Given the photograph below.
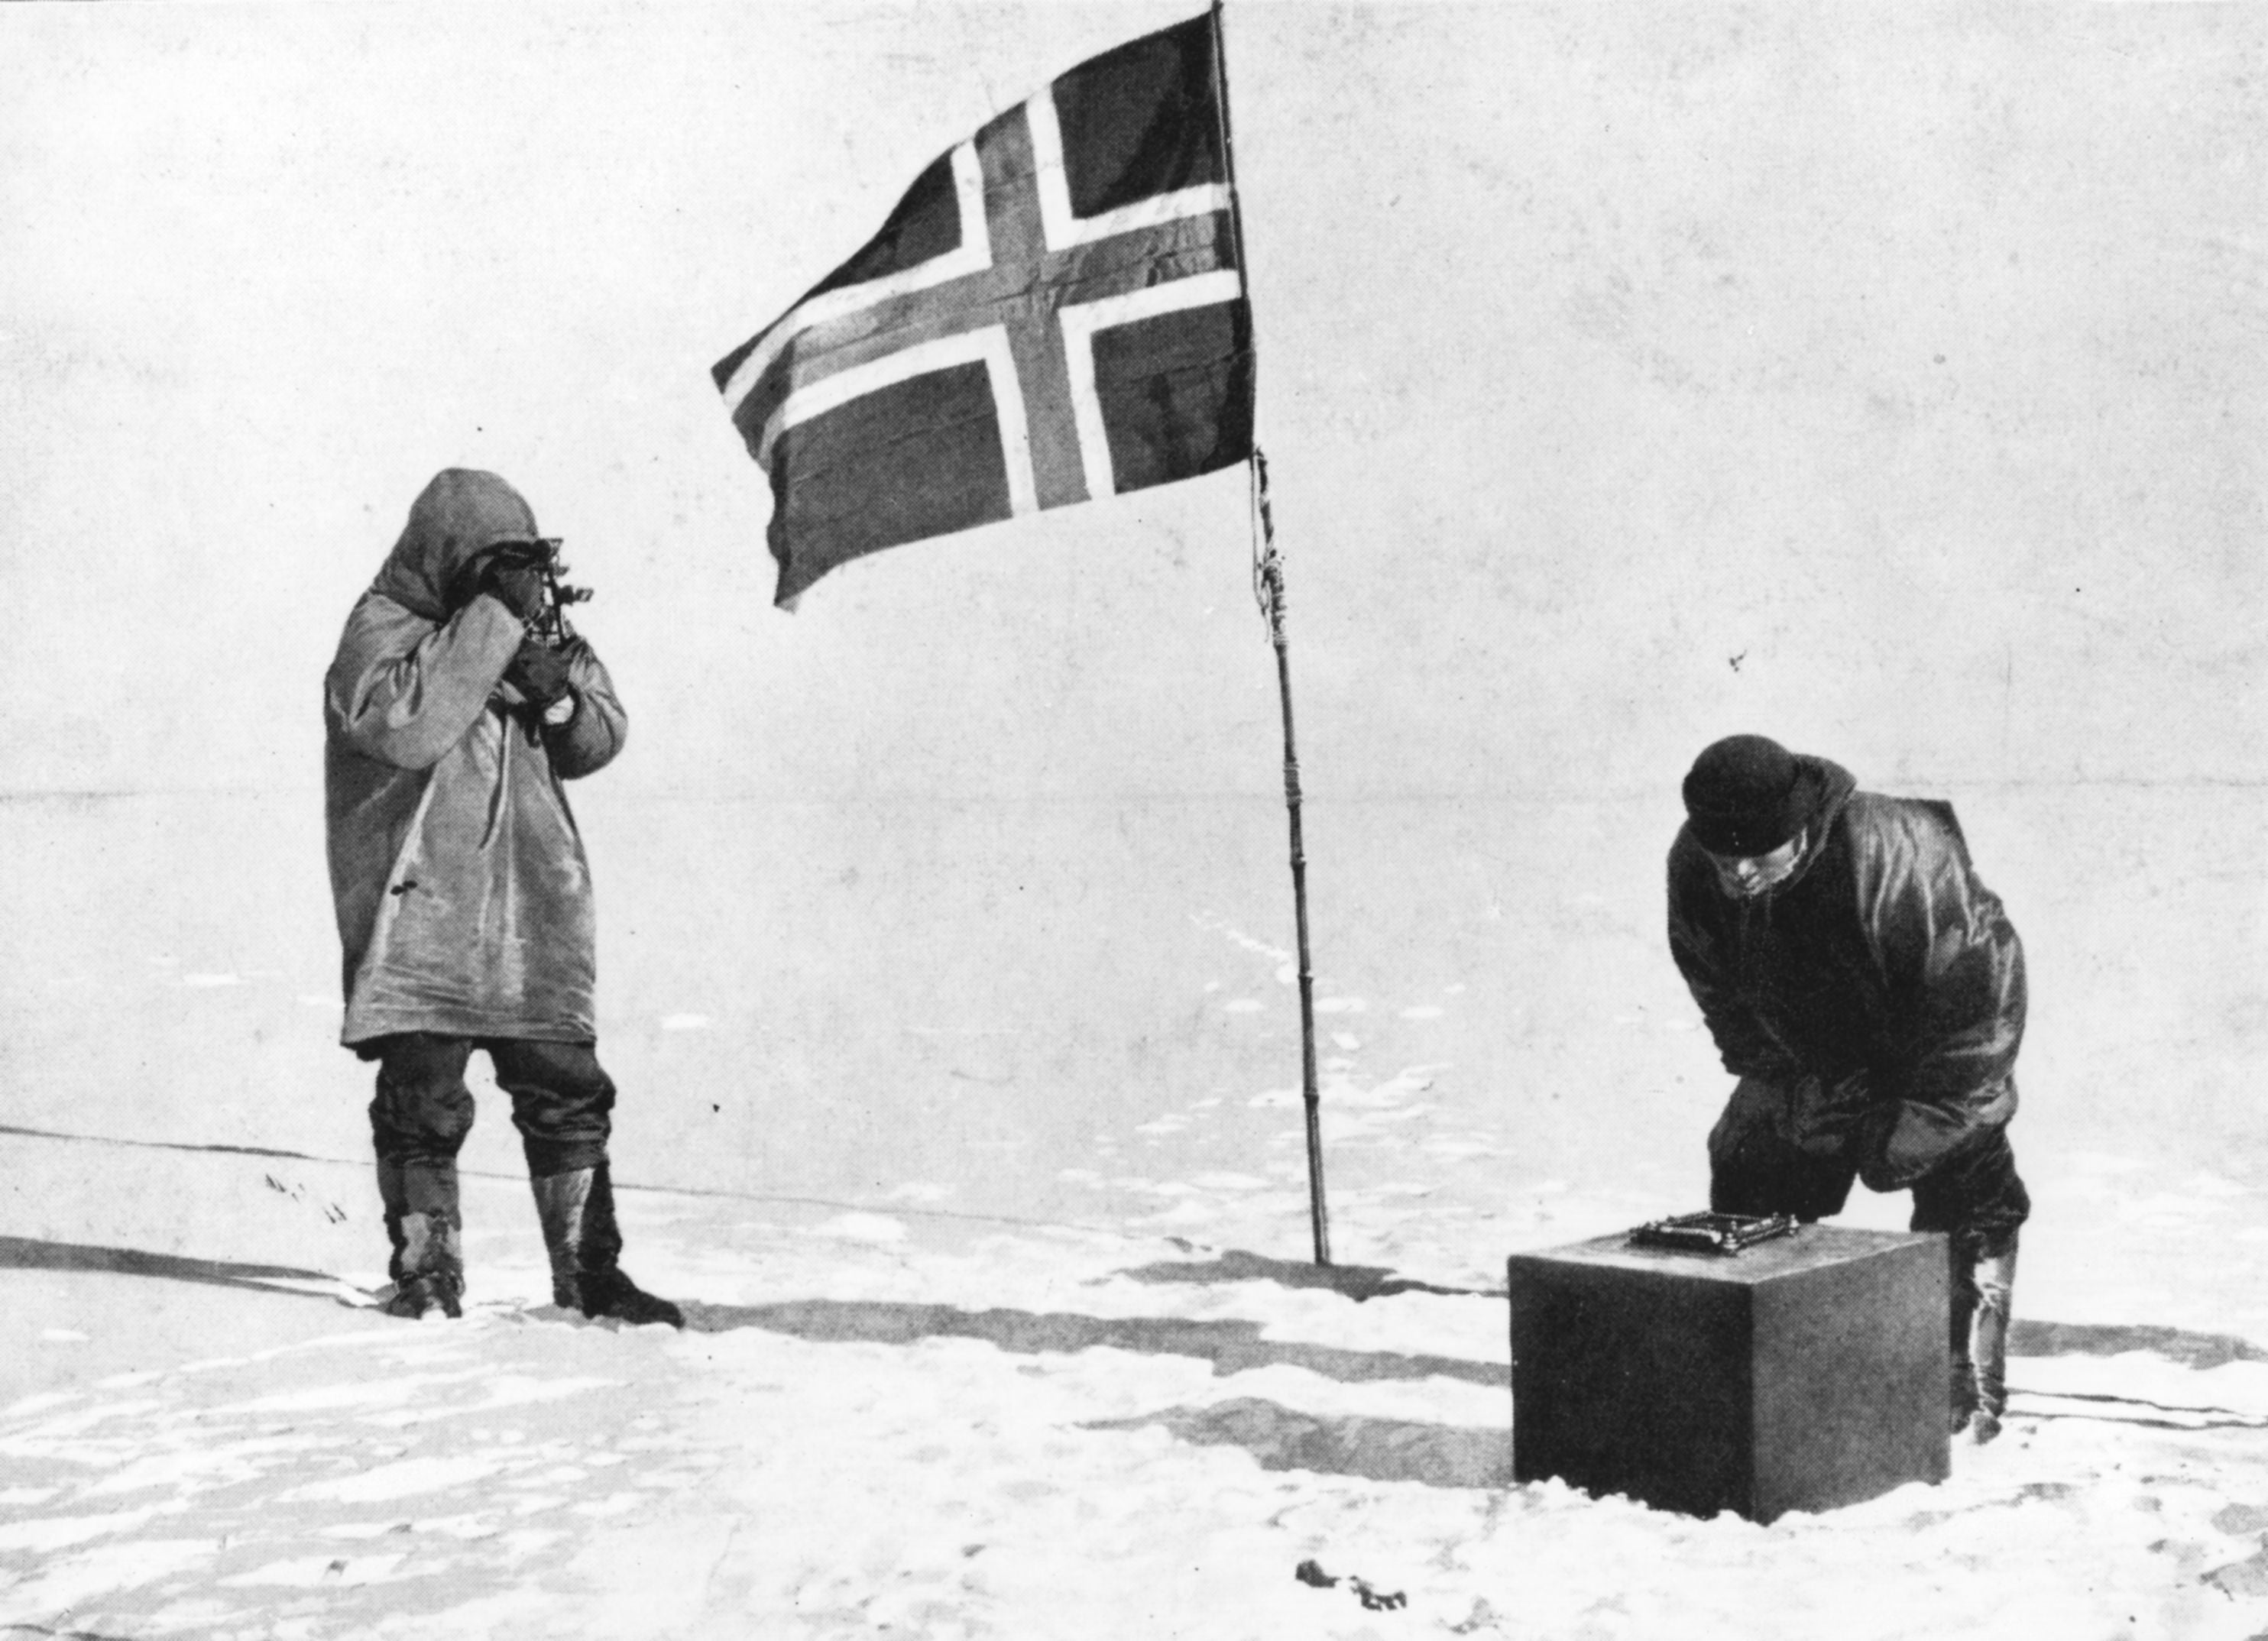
(540, 672)
(1825, 1117)
(516, 584)
(1905, 1139)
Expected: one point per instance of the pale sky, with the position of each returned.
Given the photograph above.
(1912, 358)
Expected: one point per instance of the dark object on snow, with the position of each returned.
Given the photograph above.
(428, 1265)
(578, 1212)
(1374, 1599)
(1712, 1234)
(1378, 1601)
(1807, 1373)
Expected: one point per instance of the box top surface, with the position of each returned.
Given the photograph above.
(1808, 1248)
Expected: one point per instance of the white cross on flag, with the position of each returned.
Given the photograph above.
(1054, 313)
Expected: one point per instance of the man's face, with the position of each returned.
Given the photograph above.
(1747, 877)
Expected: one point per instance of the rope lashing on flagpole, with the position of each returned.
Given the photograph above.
(1268, 591)
(1267, 564)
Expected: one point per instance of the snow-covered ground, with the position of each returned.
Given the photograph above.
(882, 1425)
(1002, 1317)
(920, 1422)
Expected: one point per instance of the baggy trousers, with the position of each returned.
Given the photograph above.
(561, 1099)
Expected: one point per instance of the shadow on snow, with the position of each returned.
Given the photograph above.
(1280, 1437)
(1376, 1450)
(1232, 1347)
(18, 1253)
(1358, 1283)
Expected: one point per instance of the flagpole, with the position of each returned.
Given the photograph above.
(1268, 588)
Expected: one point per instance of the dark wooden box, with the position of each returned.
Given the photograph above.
(1798, 1374)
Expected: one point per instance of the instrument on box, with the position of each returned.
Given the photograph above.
(1712, 1234)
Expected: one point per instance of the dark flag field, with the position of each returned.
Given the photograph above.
(1054, 313)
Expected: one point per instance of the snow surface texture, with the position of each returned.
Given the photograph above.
(1003, 1323)
(883, 1424)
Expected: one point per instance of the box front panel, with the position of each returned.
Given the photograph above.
(1631, 1381)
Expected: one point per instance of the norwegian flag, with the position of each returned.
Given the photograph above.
(1053, 313)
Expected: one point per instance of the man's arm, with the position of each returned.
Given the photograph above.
(588, 739)
(402, 690)
(1746, 1044)
(1954, 968)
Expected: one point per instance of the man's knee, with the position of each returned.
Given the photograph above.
(1978, 1198)
(421, 1109)
(562, 1077)
(561, 1102)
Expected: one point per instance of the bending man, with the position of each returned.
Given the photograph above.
(1869, 992)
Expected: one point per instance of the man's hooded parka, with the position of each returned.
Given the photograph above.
(458, 875)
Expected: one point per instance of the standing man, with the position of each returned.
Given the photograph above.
(1869, 992)
(450, 719)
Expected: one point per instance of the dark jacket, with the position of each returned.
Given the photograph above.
(1883, 967)
(462, 893)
